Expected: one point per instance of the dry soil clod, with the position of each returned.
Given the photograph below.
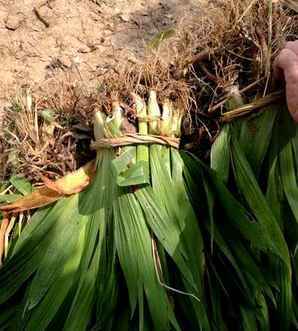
(14, 21)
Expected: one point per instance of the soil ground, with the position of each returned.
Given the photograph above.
(46, 40)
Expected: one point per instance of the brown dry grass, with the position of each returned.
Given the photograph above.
(37, 147)
(243, 37)
(230, 48)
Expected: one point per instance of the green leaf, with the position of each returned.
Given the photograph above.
(257, 203)
(263, 313)
(170, 215)
(82, 307)
(84, 302)
(21, 184)
(10, 197)
(108, 286)
(160, 37)
(249, 321)
(7, 317)
(295, 150)
(255, 137)
(220, 154)
(211, 204)
(237, 216)
(47, 115)
(130, 173)
(284, 299)
(275, 193)
(61, 248)
(216, 307)
(125, 160)
(42, 315)
(288, 177)
(26, 254)
(133, 242)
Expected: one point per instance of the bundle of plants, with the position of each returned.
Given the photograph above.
(156, 240)
(256, 159)
(148, 237)
(125, 253)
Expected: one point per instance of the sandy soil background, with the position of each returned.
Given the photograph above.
(46, 40)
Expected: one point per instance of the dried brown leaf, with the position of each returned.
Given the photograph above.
(72, 183)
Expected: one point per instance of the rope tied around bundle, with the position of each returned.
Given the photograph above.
(135, 139)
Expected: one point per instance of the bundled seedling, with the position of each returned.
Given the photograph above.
(129, 252)
(260, 161)
(148, 237)
(122, 253)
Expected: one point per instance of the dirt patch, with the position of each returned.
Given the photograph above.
(42, 40)
(70, 55)
(62, 48)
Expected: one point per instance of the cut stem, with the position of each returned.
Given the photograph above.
(142, 150)
(154, 113)
(167, 116)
